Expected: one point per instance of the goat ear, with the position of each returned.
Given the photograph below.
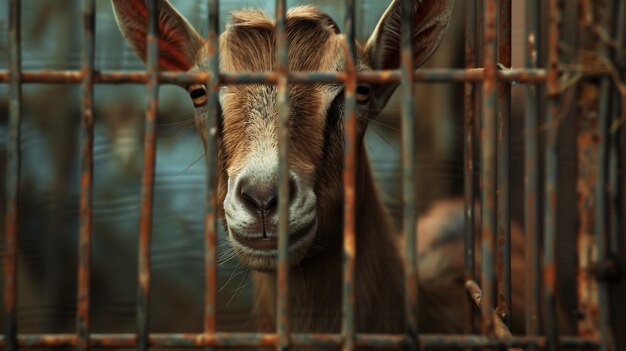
(430, 20)
(178, 41)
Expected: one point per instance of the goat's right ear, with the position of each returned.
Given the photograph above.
(429, 20)
(178, 41)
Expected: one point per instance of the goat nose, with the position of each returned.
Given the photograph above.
(262, 197)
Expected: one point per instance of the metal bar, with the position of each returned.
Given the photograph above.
(614, 157)
(488, 162)
(549, 253)
(503, 259)
(12, 178)
(282, 313)
(349, 182)
(147, 183)
(469, 153)
(602, 233)
(409, 219)
(86, 184)
(212, 206)
(604, 249)
(617, 236)
(448, 341)
(586, 155)
(531, 177)
(501, 330)
(378, 77)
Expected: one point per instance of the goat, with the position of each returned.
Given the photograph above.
(248, 164)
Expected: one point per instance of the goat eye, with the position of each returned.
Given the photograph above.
(198, 95)
(362, 94)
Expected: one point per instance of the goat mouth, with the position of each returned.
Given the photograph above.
(268, 243)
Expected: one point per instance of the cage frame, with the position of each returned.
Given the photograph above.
(487, 81)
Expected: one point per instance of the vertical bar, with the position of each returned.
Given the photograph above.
(531, 176)
(487, 162)
(409, 220)
(469, 154)
(282, 322)
(586, 155)
(349, 179)
(617, 237)
(549, 257)
(602, 234)
(86, 184)
(503, 260)
(478, 137)
(614, 183)
(210, 221)
(12, 178)
(147, 182)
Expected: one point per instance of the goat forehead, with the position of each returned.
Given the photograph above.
(314, 42)
(307, 102)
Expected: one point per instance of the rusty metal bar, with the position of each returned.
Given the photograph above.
(349, 182)
(469, 153)
(409, 219)
(607, 249)
(587, 289)
(531, 177)
(147, 182)
(282, 313)
(604, 251)
(30, 341)
(616, 112)
(211, 221)
(488, 161)
(379, 77)
(12, 178)
(503, 257)
(86, 183)
(549, 249)
(501, 330)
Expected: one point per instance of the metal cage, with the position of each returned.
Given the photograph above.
(487, 79)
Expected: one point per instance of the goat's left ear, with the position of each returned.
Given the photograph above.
(178, 40)
(430, 20)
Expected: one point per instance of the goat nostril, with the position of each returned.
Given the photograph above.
(261, 199)
(271, 203)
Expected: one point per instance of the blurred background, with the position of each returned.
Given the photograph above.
(51, 39)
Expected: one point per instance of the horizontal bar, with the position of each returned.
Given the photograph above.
(268, 339)
(379, 77)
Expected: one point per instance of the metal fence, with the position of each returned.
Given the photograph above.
(487, 78)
